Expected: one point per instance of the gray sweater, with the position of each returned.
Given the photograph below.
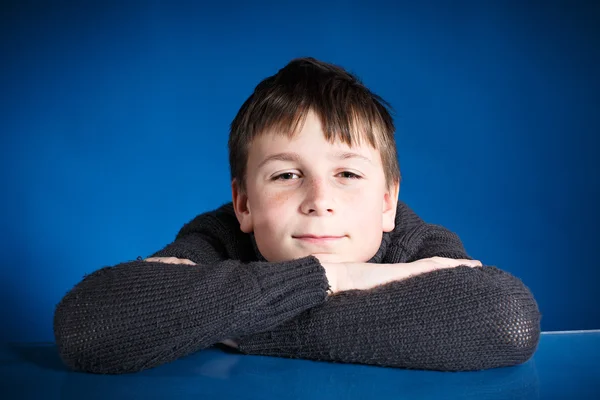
(138, 314)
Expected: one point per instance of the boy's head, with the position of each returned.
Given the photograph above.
(314, 165)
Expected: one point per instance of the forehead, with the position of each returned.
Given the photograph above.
(309, 139)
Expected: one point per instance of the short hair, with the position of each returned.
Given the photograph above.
(347, 109)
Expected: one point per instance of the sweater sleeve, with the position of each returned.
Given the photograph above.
(138, 314)
(455, 319)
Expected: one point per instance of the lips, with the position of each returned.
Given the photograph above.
(318, 240)
(316, 237)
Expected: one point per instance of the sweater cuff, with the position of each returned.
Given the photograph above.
(288, 288)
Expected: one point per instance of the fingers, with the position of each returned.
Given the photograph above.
(469, 263)
(170, 260)
(437, 263)
(451, 262)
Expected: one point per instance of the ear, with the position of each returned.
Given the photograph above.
(390, 203)
(241, 208)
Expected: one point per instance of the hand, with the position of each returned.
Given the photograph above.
(170, 260)
(362, 276)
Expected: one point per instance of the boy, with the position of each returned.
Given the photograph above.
(314, 258)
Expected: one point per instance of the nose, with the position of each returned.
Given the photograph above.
(318, 200)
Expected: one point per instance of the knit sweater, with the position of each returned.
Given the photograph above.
(140, 314)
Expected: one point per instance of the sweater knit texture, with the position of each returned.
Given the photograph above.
(140, 314)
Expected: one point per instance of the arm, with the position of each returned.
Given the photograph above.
(138, 314)
(452, 319)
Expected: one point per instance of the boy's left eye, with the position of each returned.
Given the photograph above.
(349, 175)
(286, 176)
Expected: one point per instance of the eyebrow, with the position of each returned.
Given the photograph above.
(279, 157)
(295, 157)
(345, 155)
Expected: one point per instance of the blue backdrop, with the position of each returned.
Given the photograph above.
(114, 125)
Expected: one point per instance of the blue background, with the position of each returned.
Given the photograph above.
(114, 124)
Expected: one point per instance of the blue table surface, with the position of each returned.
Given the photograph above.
(565, 366)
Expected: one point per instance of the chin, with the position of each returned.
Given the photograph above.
(322, 257)
(332, 258)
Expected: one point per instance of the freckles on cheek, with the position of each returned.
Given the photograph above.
(273, 210)
(276, 200)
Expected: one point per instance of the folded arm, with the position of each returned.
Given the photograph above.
(453, 319)
(139, 314)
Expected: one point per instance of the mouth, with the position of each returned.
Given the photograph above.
(317, 238)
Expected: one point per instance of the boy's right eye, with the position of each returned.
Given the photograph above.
(286, 176)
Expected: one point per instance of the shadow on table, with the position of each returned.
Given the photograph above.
(44, 355)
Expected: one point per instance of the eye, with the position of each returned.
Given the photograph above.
(286, 176)
(349, 175)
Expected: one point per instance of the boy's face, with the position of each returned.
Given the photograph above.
(303, 197)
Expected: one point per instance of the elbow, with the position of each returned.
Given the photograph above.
(84, 341)
(78, 349)
(501, 329)
(518, 333)
(69, 336)
(513, 324)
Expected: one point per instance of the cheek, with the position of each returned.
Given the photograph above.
(370, 218)
(369, 232)
(272, 212)
(276, 200)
